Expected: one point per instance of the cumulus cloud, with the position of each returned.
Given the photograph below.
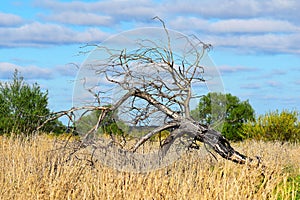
(215, 8)
(266, 42)
(7, 19)
(39, 34)
(36, 72)
(29, 72)
(124, 9)
(185, 23)
(254, 25)
(234, 26)
(80, 18)
(266, 26)
(280, 9)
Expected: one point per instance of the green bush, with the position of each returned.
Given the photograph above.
(275, 126)
(23, 108)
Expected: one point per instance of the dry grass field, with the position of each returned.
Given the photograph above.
(36, 169)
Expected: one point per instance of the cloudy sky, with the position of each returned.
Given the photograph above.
(256, 43)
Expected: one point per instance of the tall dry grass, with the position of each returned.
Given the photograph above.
(34, 170)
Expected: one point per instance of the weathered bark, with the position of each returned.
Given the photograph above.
(194, 130)
(210, 137)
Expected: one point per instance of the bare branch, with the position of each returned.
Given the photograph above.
(69, 113)
(157, 104)
(151, 133)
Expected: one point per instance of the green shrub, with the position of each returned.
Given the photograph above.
(280, 126)
(23, 108)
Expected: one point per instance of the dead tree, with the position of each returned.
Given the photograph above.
(150, 86)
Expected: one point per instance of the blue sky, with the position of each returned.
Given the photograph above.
(256, 43)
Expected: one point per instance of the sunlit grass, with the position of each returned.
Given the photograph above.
(37, 169)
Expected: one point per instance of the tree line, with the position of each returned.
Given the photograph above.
(24, 107)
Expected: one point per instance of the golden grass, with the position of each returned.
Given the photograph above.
(31, 170)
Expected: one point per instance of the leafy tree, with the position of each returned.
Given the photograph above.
(23, 107)
(210, 111)
(281, 126)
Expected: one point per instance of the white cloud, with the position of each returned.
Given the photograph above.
(267, 42)
(38, 34)
(28, 72)
(281, 9)
(36, 72)
(264, 26)
(127, 9)
(215, 8)
(120, 10)
(254, 25)
(7, 19)
(188, 23)
(80, 18)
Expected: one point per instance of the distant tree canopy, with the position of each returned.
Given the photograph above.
(236, 113)
(107, 126)
(23, 108)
